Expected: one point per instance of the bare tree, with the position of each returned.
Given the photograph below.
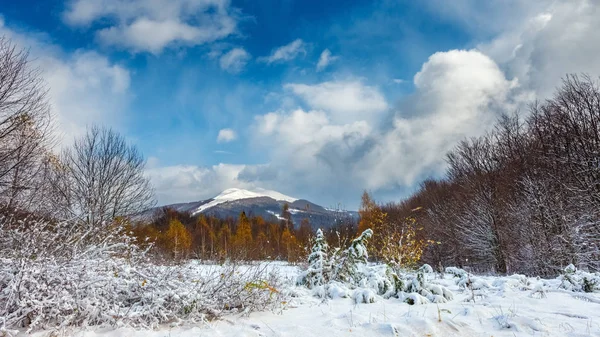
(102, 177)
(25, 127)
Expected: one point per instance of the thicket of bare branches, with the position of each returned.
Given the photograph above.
(525, 197)
(25, 128)
(100, 178)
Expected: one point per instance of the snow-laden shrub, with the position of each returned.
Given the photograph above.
(457, 272)
(577, 280)
(466, 280)
(538, 291)
(515, 281)
(319, 269)
(346, 269)
(60, 276)
(418, 283)
(412, 298)
(378, 277)
(364, 295)
(337, 290)
(112, 292)
(351, 271)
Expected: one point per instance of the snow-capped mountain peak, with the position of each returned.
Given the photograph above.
(233, 194)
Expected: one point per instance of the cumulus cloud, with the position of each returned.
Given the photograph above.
(151, 26)
(458, 94)
(340, 145)
(85, 88)
(349, 100)
(234, 60)
(226, 136)
(310, 145)
(325, 59)
(286, 53)
(560, 39)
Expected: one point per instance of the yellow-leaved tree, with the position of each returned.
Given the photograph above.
(178, 239)
(399, 243)
(243, 237)
(290, 245)
(403, 245)
(374, 218)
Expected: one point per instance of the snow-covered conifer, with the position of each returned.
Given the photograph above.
(346, 269)
(319, 269)
(578, 280)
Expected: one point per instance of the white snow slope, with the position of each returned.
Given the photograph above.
(508, 306)
(233, 194)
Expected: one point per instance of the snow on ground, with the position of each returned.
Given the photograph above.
(504, 306)
(233, 194)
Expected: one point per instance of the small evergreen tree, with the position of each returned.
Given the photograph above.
(319, 269)
(347, 268)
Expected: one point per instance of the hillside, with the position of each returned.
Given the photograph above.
(265, 203)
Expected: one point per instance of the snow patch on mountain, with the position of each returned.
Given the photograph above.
(233, 194)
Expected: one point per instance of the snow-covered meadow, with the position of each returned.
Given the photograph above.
(480, 306)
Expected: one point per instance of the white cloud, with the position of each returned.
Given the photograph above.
(85, 88)
(398, 81)
(234, 60)
(226, 136)
(349, 100)
(325, 59)
(487, 17)
(458, 94)
(151, 26)
(286, 53)
(559, 39)
(304, 138)
(339, 147)
(185, 183)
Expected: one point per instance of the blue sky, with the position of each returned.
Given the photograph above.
(315, 99)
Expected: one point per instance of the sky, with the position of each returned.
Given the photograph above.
(319, 100)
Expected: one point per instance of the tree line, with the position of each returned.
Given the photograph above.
(524, 197)
(177, 235)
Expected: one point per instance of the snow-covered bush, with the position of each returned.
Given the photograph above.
(319, 269)
(364, 295)
(419, 284)
(538, 291)
(55, 275)
(413, 298)
(112, 292)
(380, 278)
(515, 281)
(351, 271)
(577, 280)
(466, 280)
(346, 269)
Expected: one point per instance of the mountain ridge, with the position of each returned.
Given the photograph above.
(259, 202)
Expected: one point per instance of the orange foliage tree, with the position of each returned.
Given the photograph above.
(178, 239)
(243, 237)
